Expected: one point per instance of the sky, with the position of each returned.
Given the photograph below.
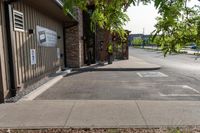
(143, 18)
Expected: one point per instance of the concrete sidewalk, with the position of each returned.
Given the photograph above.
(132, 64)
(99, 114)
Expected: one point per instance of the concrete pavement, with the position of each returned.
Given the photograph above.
(132, 64)
(118, 112)
(125, 85)
(99, 114)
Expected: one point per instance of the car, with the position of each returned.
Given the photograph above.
(193, 46)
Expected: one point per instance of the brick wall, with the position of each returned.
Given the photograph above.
(100, 36)
(74, 44)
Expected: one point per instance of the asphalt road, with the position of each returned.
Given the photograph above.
(179, 65)
(178, 79)
(180, 62)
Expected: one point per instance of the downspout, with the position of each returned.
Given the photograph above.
(1, 85)
(9, 23)
(65, 48)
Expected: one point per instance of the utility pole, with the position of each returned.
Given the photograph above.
(143, 31)
(143, 38)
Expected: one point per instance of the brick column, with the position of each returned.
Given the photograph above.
(74, 44)
(100, 37)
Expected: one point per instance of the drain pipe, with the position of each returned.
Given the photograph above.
(65, 47)
(9, 23)
(1, 87)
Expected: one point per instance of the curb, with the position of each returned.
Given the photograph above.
(32, 95)
(116, 69)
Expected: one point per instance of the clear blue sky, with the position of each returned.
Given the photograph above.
(143, 17)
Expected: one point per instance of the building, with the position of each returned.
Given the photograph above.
(37, 38)
(33, 42)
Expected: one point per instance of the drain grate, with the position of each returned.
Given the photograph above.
(151, 74)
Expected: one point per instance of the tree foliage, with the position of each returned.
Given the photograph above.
(108, 14)
(178, 30)
(137, 41)
(177, 26)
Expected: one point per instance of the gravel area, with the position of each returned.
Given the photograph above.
(128, 130)
(32, 87)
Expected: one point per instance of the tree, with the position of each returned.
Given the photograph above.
(180, 31)
(155, 40)
(110, 15)
(137, 41)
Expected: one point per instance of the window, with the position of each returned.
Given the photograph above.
(18, 18)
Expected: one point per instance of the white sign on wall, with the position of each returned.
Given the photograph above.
(46, 37)
(58, 53)
(33, 56)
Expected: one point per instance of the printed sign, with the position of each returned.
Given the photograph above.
(58, 53)
(33, 56)
(46, 37)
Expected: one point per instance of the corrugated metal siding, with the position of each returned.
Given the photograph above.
(4, 73)
(47, 60)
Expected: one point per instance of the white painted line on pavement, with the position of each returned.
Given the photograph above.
(182, 95)
(186, 87)
(151, 74)
(179, 95)
(139, 74)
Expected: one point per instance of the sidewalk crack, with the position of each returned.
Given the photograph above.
(142, 114)
(69, 114)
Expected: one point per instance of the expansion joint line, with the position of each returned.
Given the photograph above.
(70, 113)
(142, 114)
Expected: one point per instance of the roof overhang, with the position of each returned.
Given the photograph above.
(53, 9)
